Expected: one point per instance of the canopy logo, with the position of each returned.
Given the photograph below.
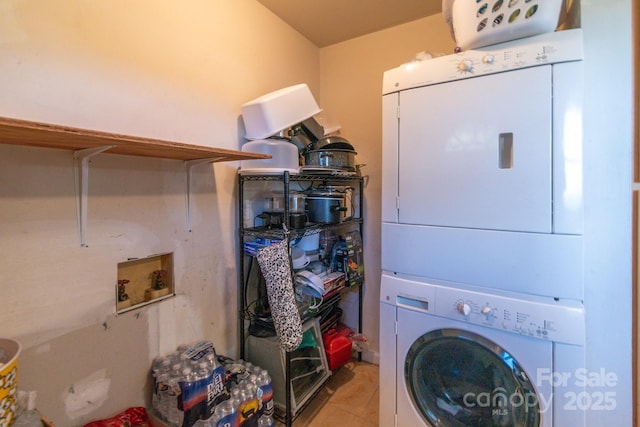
(501, 401)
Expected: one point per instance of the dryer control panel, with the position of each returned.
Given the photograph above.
(548, 48)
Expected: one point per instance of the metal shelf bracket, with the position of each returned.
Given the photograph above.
(188, 165)
(81, 173)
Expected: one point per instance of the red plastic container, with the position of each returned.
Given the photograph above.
(337, 347)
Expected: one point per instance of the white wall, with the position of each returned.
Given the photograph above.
(351, 90)
(151, 68)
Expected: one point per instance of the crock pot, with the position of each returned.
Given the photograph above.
(325, 208)
(339, 191)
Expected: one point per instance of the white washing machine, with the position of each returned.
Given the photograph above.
(456, 355)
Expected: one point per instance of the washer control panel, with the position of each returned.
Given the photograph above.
(534, 316)
(560, 46)
(544, 320)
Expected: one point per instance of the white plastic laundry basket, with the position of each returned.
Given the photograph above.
(479, 23)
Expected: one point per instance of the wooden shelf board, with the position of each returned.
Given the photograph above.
(28, 133)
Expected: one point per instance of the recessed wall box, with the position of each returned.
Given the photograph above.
(143, 281)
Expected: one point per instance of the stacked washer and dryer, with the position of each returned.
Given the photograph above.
(482, 282)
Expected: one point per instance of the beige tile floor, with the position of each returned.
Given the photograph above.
(350, 398)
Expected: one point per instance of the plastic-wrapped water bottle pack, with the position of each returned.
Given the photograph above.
(194, 387)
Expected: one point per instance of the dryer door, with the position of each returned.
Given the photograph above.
(458, 378)
(476, 153)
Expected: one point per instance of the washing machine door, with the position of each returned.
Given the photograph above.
(458, 378)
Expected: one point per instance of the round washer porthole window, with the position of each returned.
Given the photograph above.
(457, 379)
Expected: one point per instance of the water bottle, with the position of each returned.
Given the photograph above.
(204, 379)
(160, 368)
(203, 369)
(253, 379)
(194, 388)
(265, 392)
(167, 397)
(160, 395)
(242, 372)
(211, 361)
(183, 347)
(159, 364)
(242, 394)
(184, 360)
(186, 376)
(266, 421)
(176, 367)
(216, 390)
(172, 413)
(226, 412)
(235, 392)
(252, 391)
(174, 357)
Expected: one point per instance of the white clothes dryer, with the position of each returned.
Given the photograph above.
(482, 162)
(459, 356)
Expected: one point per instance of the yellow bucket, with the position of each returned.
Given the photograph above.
(9, 352)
